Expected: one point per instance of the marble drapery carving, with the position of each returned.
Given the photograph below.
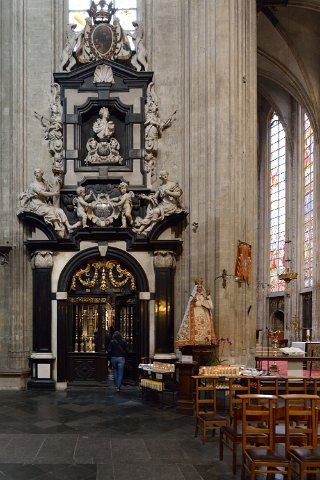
(39, 199)
(164, 202)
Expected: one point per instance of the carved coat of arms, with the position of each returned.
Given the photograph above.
(103, 211)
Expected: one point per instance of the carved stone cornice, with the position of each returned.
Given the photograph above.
(42, 259)
(164, 259)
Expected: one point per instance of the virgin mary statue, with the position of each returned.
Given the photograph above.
(197, 324)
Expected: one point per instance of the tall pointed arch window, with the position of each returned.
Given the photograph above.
(308, 218)
(277, 196)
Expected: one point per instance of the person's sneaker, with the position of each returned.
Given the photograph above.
(118, 390)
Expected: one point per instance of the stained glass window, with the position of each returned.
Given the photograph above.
(126, 12)
(308, 220)
(277, 192)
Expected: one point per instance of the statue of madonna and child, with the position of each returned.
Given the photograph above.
(197, 323)
(196, 331)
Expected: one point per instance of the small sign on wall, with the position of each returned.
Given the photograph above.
(186, 358)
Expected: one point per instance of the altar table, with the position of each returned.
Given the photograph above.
(295, 362)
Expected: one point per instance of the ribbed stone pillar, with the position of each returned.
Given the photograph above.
(31, 39)
(15, 279)
(204, 57)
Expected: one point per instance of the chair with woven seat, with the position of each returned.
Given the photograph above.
(231, 437)
(301, 423)
(258, 419)
(206, 406)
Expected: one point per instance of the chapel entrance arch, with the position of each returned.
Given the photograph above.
(102, 292)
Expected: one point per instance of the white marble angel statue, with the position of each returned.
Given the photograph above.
(140, 59)
(67, 60)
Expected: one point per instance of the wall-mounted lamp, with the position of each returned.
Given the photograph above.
(224, 275)
(4, 253)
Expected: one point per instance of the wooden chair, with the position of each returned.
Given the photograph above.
(238, 385)
(301, 432)
(231, 436)
(206, 406)
(296, 385)
(314, 385)
(267, 385)
(258, 413)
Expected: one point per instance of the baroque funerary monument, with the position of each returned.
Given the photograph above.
(135, 162)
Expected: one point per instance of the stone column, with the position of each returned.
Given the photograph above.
(15, 278)
(204, 57)
(25, 78)
(164, 265)
(42, 358)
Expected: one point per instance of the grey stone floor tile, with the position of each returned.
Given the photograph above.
(125, 449)
(189, 472)
(163, 448)
(92, 449)
(144, 471)
(21, 448)
(58, 449)
(20, 472)
(87, 420)
(99, 435)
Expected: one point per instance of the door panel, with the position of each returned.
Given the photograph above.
(92, 318)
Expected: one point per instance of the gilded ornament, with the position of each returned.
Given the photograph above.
(105, 268)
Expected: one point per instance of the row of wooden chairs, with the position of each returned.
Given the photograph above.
(283, 385)
(206, 388)
(235, 430)
(258, 418)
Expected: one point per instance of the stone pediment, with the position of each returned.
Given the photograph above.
(133, 242)
(123, 75)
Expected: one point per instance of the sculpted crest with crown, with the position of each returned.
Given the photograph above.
(100, 39)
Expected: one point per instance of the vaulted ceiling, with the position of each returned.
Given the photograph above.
(288, 34)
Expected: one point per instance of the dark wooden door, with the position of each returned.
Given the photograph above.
(126, 323)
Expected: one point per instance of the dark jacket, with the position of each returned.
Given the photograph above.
(117, 348)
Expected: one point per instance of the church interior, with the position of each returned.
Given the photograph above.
(159, 179)
(141, 159)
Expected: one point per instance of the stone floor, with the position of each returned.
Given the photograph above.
(99, 434)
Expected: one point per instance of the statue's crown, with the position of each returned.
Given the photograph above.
(102, 15)
(198, 281)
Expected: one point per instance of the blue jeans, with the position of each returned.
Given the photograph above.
(118, 369)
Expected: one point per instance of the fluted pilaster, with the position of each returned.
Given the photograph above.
(209, 71)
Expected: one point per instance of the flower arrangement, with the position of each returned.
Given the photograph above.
(219, 343)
